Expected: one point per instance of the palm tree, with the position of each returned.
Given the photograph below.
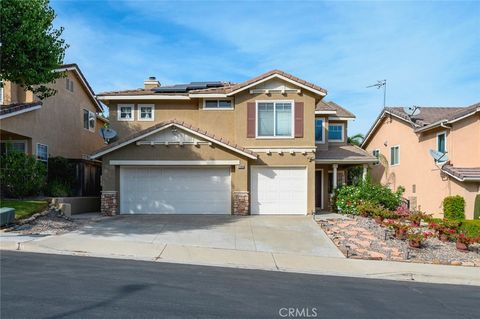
(356, 139)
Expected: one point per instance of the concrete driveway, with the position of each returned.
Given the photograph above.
(272, 234)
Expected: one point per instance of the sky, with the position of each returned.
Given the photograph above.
(429, 52)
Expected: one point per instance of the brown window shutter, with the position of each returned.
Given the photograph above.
(299, 119)
(251, 119)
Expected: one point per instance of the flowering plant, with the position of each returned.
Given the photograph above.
(402, 211)
(464, 239)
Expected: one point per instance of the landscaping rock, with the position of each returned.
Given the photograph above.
(49, 222)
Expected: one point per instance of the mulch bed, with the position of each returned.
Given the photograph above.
(362, 238)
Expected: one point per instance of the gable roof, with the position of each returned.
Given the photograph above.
(344, 154)
(429, 118)
(74, 67)
(18, 108)
(333, 108)
(180, 124)
(227, 88)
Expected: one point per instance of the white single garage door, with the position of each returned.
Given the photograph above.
(278, 190)
(168, 190)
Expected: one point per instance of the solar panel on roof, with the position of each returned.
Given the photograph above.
(183, 88)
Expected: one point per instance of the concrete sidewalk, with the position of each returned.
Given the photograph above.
(288, 262)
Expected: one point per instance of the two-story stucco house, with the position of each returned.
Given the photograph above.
(406, 143)
(66, 124)
(269, 145)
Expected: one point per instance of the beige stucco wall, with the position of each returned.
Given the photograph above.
(58, 124)
(417, 169)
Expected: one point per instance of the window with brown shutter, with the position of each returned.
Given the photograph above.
(251, 119)
(299, 119)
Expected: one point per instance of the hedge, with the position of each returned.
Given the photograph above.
(476, 210)
(454, 207)
(471, 227)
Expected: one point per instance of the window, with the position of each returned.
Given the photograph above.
(69, 84)
(16, 146)
(340, 180)
(145, 112)
(42, 152)
(274, 119)
(442, 142)
(89, 120)
(335, 133)
(319, 131)
(125, 112)
(376, 153)
(217, 104)
(394, 155)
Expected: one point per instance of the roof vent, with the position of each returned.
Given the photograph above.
(151, 83)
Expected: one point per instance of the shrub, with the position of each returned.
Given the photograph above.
(60, 170)
(476, 209)
(58, 189)
(470, 228)
(454, 207)
(348, 197)
(21, 175)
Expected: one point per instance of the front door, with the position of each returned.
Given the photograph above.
(318, 189)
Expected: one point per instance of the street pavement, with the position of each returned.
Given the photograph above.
(56, 286)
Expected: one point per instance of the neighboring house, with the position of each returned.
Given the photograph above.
(406, 142)
(269, 145)
(66, 124)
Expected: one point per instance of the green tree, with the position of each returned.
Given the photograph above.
(356, 139)
(31, 48)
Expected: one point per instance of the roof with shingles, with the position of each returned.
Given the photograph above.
(179, 124)
(347, 152)
(462, 173)
(16, 107)
(227, 87)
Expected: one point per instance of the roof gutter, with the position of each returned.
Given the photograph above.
(347, 161)
(441, 123)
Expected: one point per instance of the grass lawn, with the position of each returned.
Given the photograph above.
(24, 208)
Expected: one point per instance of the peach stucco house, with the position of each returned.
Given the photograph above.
(405, 143)
(66, 124)
(269, 145)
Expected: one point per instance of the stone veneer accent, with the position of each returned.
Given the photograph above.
(241, 203)
(109, 203)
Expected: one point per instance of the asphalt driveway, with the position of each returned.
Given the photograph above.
(273, 234)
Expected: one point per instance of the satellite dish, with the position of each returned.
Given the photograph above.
(439, 157)
(412, 110)
(107, 134)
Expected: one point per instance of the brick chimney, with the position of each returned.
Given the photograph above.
(151, 83)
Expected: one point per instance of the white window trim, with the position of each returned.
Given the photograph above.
(24, 142)
(36, 152)
(377, 162)
(343, 132)
(2, 89)
(323, 130)
(90, 113)
(442, 133)
(151, 106)
(393, 146)
(292, 135)
(119, 106)
(204, 102)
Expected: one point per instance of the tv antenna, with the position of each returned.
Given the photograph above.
(379, 85)
(107, 134)
(412, 110)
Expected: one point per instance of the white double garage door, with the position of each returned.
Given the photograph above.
(207, 190)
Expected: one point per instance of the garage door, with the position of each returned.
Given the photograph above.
(279, 190)
(155, 190)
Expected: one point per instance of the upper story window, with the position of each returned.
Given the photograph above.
(42, 152)
(319, 128)
(395, 155)
(217, 104)
(89, 119)
(125, 112)
(146, 112)
(69, 84)
(376, 153)
(15, 146)
(274, 119)
(442, 142)
(335, 133)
